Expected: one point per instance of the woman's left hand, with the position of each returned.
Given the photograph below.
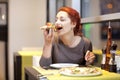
(89, 57)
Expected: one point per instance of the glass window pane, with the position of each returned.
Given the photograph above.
(97, 33)
(92, 8)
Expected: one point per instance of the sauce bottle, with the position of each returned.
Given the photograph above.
(108, 46)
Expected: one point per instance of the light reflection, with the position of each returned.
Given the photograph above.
(3, 17)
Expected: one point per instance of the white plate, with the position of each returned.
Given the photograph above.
(82, 75)
(63, 65)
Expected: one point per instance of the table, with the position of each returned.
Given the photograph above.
(24, 59)
(31, 73)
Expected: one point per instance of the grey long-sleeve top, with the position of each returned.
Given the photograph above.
(64, 54)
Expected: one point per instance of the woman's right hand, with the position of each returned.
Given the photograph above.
(48, 36)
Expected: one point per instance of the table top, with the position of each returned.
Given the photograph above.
(39, 53)
(27, 58)
(53, 74)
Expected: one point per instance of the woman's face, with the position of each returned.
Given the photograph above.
(63, 23)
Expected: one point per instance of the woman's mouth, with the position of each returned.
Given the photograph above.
(58, 28)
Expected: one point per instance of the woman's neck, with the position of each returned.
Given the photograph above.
(70, 40)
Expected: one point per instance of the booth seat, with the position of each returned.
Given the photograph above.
(24, 59)
(28, 58)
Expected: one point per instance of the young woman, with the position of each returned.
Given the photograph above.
(71, 46)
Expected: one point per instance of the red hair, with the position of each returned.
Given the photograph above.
(75, 18)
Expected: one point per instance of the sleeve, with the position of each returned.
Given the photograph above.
(45, 62)
(88, 45)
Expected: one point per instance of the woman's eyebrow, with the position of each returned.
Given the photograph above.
(60, 17)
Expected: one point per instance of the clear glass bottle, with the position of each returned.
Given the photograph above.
(112, 62)
(103, 58)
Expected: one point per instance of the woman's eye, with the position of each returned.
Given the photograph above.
(62, 19)
(55, 20)
(59, 20)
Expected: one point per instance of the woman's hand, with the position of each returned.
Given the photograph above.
(48, 36)
(89, 57)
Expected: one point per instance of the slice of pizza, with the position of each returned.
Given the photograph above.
(48, 26)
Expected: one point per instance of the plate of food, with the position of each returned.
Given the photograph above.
(63, 65)
(81, 71)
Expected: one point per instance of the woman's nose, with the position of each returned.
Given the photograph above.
(57, 22)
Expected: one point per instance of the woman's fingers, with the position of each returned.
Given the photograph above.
(48, 33)
(89, 57)
(48, 36)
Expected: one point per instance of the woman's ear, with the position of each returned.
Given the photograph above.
(74, 24)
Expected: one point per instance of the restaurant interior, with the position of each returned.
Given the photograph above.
(21, 40)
